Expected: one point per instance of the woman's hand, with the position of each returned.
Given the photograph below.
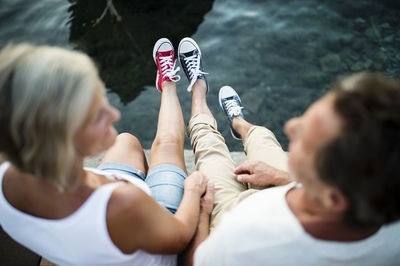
(196, 183)
(261, 174)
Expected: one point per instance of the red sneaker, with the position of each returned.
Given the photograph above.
(163, 55)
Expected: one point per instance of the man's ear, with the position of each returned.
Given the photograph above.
(335, 200)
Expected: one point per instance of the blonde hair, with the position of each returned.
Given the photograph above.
(45, 94)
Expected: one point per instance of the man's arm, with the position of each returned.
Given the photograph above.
(212, 251)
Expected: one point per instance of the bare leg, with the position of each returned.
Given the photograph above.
(241, 126)
(199, 100)
(127, 150)
(168, 144)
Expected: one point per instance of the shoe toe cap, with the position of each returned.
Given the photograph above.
(226, 92)
(164, 47)
(187, 45)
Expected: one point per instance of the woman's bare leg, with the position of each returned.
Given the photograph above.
(168, 144)
(127, 150)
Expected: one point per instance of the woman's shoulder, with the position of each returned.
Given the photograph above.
(127, 196)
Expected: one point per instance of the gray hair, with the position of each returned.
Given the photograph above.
(45, 94)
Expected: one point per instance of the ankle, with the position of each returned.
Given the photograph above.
(241, 125)
(200, 87)
(168, 86)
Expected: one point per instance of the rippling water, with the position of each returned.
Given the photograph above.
(39, 22)
(279, 55)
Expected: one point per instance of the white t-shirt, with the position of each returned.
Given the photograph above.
(81, 238)
(262, 230)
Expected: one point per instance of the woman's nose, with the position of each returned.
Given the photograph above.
(115, 114)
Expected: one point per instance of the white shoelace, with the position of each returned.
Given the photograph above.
(193, 65)
(168, 68)
(233, 108)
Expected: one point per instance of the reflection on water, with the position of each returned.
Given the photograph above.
(279, 55)
(122, 41)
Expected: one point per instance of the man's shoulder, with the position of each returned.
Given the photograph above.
(264, 215)
(244, 239)
(258, 231)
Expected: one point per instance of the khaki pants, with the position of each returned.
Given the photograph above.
(212, 158)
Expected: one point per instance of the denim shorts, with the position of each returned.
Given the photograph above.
(165, 181)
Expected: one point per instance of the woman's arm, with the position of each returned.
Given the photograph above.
(137, 221)
(189, 209)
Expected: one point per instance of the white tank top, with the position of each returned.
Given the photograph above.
(81, 238)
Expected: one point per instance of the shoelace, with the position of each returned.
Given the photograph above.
(168, 68)
(232, 108)
(193, 65)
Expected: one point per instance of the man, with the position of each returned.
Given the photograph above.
(341, 209)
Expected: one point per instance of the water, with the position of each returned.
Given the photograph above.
(279, 55)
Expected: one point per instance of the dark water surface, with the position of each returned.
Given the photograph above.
(279, 55)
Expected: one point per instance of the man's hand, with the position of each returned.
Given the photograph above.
(261, 174)
(207, 201)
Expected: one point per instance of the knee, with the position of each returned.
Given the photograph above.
(128, 140)
(168, 139)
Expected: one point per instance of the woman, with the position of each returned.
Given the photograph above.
(54, 113)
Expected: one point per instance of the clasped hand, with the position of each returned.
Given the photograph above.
(198, 183)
